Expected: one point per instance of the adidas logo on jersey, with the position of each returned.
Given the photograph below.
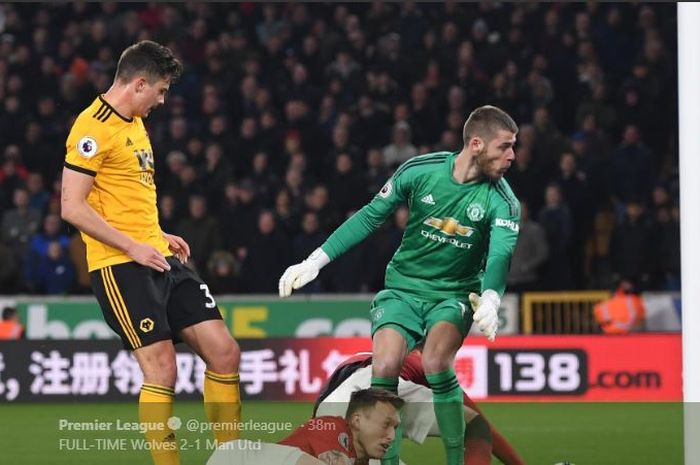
(428, 199)
(128, 142)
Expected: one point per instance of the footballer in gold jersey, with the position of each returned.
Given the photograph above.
(147, 294)
(117, 153)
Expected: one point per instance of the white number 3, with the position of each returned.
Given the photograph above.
(211, 303)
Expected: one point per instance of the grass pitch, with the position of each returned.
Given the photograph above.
(543, 433)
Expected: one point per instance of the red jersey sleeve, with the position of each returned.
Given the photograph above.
(322, 434)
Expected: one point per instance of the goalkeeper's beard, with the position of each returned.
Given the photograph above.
(485, 165)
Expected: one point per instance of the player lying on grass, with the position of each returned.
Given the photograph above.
(481, 439)
(365, 431)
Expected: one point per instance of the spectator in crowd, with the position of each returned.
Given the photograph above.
(370, 123)
(195, 152)
(216, 170)
(306, 241)
(574, 187)
(286, 214)
(175, 161)
(633, 246)
(660, 198)
(38, 196)
(167, 212)
(631, 168)
(531, 252)
(20, 223)
(526, 176)
(201, 231)
(39, 154)
(54, 272)
(13, 174)
(176, 140)
(317, 200)
(376, 173)
(401, 148)
(346, 186)
(263, 177)
(424, 116)
(550, 141)
(238, 216)
(555, 218)
(342, 145)
(187, 185)
(294, 184)
(218, 132)
(38, 247)
(222, 272)
(267, 254)
(247, 144)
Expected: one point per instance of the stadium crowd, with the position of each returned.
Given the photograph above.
(289, 117)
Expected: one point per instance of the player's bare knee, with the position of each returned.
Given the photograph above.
(161, 371)
(157, 362)
(433, 363)
(225, 357)
(386, 366)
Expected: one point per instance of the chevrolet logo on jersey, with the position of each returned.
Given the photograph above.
(449, 226)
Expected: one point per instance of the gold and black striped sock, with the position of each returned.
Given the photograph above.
(155, 408)
(222, 402)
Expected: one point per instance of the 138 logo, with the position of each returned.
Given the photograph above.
(538, 371)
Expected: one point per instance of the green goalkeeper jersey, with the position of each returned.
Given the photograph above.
(459, 237)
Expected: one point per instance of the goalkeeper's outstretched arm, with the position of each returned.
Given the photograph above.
(353, 231)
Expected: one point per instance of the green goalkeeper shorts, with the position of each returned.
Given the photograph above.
(413, 317)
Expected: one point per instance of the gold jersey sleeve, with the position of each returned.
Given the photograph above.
(117, 152)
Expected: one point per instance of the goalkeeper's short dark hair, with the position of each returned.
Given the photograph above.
(150, 58)
(368, 398)
(485, 122)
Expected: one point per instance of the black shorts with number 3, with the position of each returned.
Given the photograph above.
(144, 306)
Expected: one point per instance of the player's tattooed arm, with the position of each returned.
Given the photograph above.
(335, 457)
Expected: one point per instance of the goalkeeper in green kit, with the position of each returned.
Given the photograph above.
(450, 268)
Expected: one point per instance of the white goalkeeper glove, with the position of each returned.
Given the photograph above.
(486, 312)
(299, 275)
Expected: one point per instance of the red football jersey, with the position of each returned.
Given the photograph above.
(321, 435)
